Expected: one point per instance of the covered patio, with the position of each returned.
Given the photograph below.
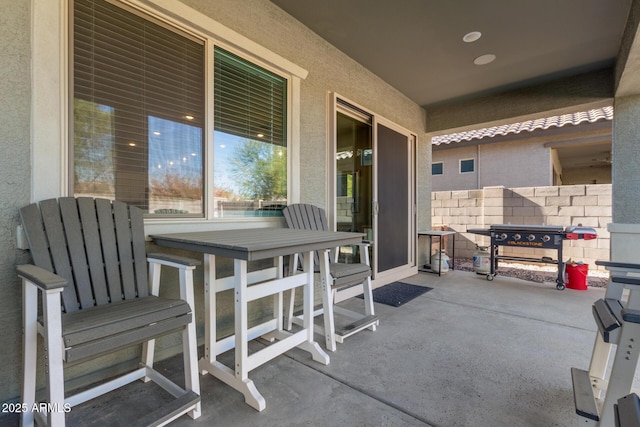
(467, 353)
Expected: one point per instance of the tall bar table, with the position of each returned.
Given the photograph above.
(249, 245)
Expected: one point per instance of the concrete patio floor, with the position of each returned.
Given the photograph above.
(468, 353)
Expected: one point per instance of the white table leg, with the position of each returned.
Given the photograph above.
(251, 395)
(310, 345)
(238, 377)
(209, 313)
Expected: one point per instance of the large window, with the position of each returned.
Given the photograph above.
(250, 140)
(139, 114)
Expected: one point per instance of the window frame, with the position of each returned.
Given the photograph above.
(441, 168)
(466, 160)
(51, 72)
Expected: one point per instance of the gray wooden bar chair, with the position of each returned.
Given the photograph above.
(334, 276)
(90, 268)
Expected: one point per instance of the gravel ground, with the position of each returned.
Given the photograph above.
(539, 273)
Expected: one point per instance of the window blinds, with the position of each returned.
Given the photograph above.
(249, 101)
(127, 71)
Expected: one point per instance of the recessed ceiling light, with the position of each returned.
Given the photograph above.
(484, 59)
(472, 36)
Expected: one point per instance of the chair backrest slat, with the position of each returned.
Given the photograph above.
(123, 237)
(76, 248)
(108, 238)
(91, 232)
(139, 250)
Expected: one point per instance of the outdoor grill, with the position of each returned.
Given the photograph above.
(532, 237)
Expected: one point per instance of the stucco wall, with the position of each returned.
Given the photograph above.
(589, 205)
(14, 180)
(625, 176)
(510, 163)
(258, 20)
(451, 178)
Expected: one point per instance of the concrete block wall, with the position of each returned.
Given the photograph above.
(589, 205)
(343, 209)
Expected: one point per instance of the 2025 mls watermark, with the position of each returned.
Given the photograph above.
(44, 407)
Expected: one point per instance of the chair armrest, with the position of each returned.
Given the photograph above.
(40, 277)
(172, 260)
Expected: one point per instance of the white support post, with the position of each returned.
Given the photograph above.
(189, 338)
(307, 304)
(599, 361)
(278, 300)
(29, 349)
(293, 269)
(366, 286)
(148, 347)
(327, 301)
(241, 319)
(51, 307)
(209, 311)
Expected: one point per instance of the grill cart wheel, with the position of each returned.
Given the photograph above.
(490, 277)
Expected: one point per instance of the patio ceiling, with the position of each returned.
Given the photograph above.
(417, 45)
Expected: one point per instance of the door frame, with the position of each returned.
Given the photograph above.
(388, 276)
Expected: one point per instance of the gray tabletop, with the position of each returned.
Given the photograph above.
(256, 243)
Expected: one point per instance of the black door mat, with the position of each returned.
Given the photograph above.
(397, 293)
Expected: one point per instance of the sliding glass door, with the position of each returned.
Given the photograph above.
(375, 186)
(354, 173)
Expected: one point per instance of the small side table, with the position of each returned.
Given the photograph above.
(439, 234)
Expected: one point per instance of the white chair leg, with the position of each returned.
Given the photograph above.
(53, 345)
(189, 340)
(148, 347)
(327, 302)
(366, 285)
(368, 300)
(29, 350)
